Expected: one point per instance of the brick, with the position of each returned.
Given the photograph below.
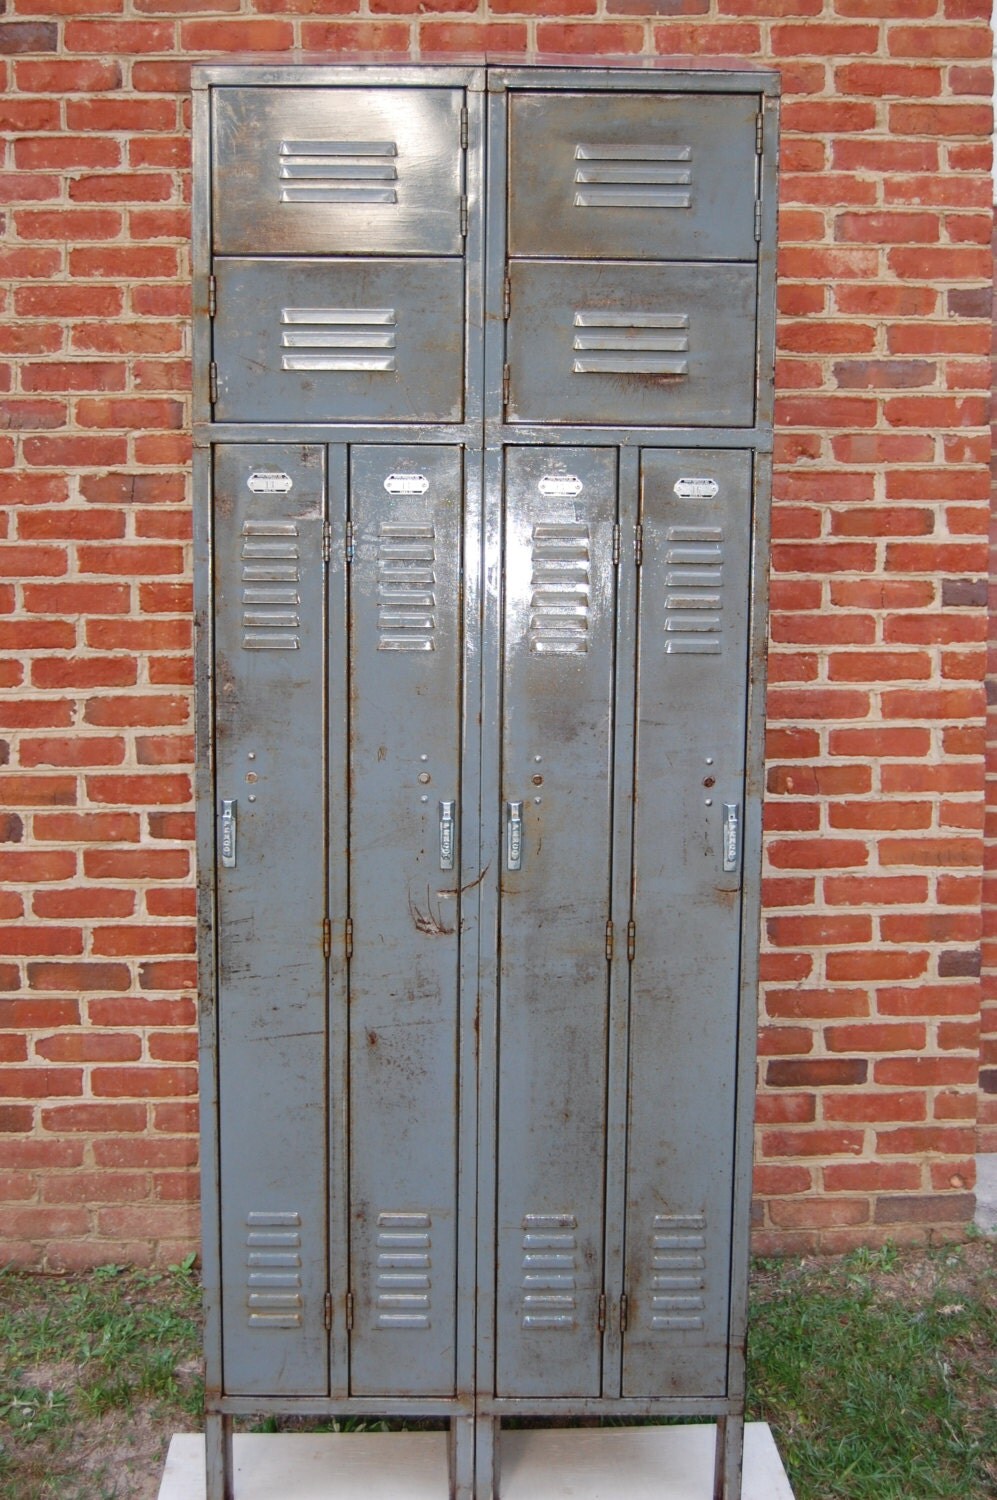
(28, 36)
(941, 1208)
(142, 1083)
(98, 1118)
(136, 941)
(812, 1142)
(785, 1109)
(871, 1177)
(815, 1072)
(79, 977)
(87, 1047)
(72, 750)
(40, 1083)
(873, 964)
(61, 76)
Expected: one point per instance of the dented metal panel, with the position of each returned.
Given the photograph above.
(637, 176)
(337, 171)
(269, 666)
(691, 700)
(339, 340)
(404, 713)
(616, 342)
(557, 730)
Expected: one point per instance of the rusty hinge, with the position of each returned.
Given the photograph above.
(616, 544)
(327, 1311)
(601, 1316)
(638, 544)
(212, 296)
(326, 540)
(349, 1311)
(463, 128)
(348, 542)
(348, 937)
(506, 297)
(213, 383)
(631, 941)
(463, 213)
(326, 938)
(759, 132)
(758, 219)
(506, 379)
(623, 1312)
(609, 938)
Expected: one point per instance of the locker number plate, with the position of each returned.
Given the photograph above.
(696, 489)
(262, 482)
(406, 484)
(563, 485)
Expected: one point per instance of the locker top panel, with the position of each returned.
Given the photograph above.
(337, 171)
(639, 176)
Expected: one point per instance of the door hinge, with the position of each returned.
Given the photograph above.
(601, 1316)
(758, 219)
(348, 542)
(463, 213)
(327, 1311)
(506, 381)
(506, 297)
(212, 296)
(623, 1312)
(463, 128)
(759, 132)
(616, 544)
(326, 541)
(609, 938)
(326, 938)
(631, 941)
(348, 937)
(213, 383)
(639, 544)
(349, 1312)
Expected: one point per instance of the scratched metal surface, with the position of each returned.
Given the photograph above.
(405, 671)
(691, 688)
(361, 171)
(271, 973)
(632, 177)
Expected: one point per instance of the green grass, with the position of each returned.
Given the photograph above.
(97, 1370)
(878, 1372)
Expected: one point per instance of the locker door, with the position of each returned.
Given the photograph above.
(557, 731)
(269, 669)
(405, 695)
(691, 695)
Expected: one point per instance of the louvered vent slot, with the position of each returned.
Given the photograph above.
(404, 1270)
(273, 1258)
(560, 601)
(337, 338)
(694, 561)
(550, 1252)
(406, 588)
(633, 176)
(270, 598)
(634, 343)
(338, 172)
(678, 1279)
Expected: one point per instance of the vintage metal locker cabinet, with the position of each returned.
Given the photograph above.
(482, 471)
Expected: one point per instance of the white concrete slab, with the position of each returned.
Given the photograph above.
(619, 1463)
(986, 1193)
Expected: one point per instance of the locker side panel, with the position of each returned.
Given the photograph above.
(557, 730)
(405, 679)
(691, 695)
(269, 606)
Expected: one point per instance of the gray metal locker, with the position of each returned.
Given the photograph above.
(482, 458)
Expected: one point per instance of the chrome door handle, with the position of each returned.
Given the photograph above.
(447, 835)
(732, 836)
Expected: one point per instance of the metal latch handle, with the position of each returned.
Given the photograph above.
(732, 836)
(514, 836)
(447, 835)
(229, 832)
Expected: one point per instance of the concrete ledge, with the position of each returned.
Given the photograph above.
(619, 1463)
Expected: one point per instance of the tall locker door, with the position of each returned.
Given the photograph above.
(557, 735)
(269, 668)
(405, 695)
(691, 696)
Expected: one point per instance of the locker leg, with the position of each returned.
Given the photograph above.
(460, 1451)
(218, 1472)
(729, 1458)
(486, 1458)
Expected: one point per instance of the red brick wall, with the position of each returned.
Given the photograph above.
(987, 1121)
(871, 1000)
